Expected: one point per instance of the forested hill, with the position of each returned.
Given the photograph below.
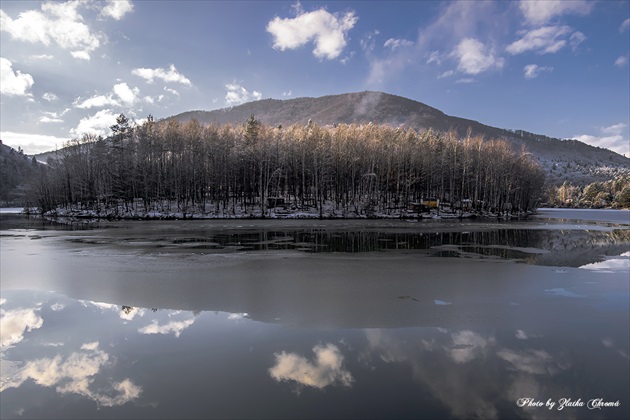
(564, 160)
(16, 170)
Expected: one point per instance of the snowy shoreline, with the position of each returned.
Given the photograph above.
(69, 215)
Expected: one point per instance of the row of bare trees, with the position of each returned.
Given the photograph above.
(341, 170)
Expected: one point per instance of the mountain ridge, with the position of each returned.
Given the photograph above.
(565, 160)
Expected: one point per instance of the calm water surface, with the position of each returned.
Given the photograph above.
(317, 319)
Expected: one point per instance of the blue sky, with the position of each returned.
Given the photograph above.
(559, 68)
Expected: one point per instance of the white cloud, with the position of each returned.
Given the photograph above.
(58, 23)
(434, 57)
(545, 40)
(32, 143)
(170, 76)
(15, 323)
(368, 41)
(57, 306)
(116, 9)
(475, 57)
(611, 137)
(625, 25)
(41, 57)
(447, 73)
(175, 327)
(169, 90)
(397, 43)
(82, 55)
(456, 21)
(327, 368)
(97, 124)
(465, 80)
(327, 31)
(14, 83)
(49, 96)
(576, 39)
(74, 375)
(57, 114)
(237, 94)
(127, 95)
(621, 61)
(539, 12)
(48, 119)
(531, 71)
(97, 101)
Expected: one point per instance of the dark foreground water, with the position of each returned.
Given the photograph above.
(317, 319)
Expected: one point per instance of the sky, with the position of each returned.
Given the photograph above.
(558, 68)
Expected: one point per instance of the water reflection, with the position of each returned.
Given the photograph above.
(72, 374)
(325, 370)
(254, 327)
(480, 375)
(227, 365)
(14, 323)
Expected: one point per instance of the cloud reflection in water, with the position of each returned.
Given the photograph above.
(174, 327)
(73, 375)
(14, 323)
(327, 368)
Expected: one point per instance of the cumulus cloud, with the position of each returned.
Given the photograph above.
(531, 71)
(237, 94)
(474, 57)
(611, 137)
(394, 44)
(625, 25)
(49, 119)
(621, 61)
(55, 23)
(116, 9)
(545, 40)
(14, 83)
(49, 97)
(74, 375)
(14, 323)
(121, 95)
(172, 327)
(127, 95)
(538, 12)
(327, 368)
(97, 124)
(456, 21)
(97, 101)
(169, 76)
(326, 30)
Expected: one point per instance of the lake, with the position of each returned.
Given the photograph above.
(317, 318)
